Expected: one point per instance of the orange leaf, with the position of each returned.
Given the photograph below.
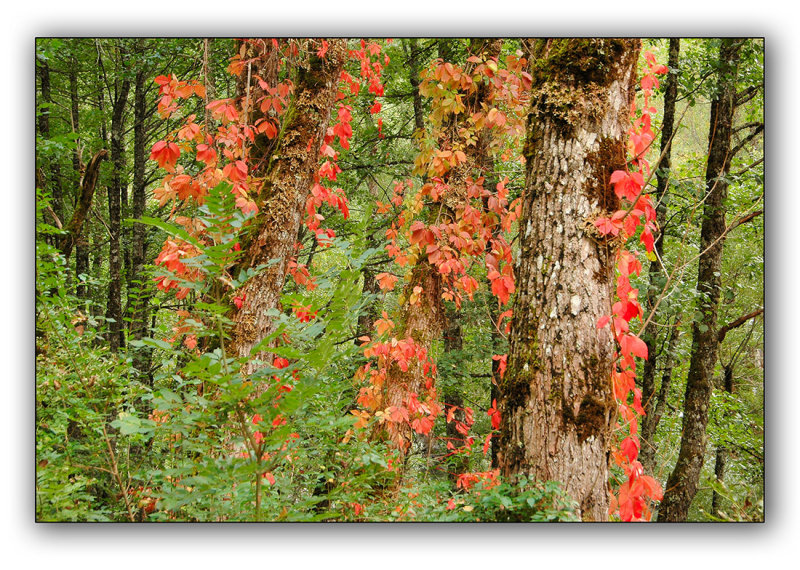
(386, 281)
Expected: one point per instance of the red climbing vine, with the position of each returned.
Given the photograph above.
(630, 499)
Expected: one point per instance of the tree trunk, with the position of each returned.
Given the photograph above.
(722, 453)
(413, 72)
(43, 121)
(651, 420)
(424, 321)
(81, 242)
(655, 274)
(289, 178)
(75, 115)
(138, 290)
(558, 404)
(114, 302)
(682, 483)
(454, 342)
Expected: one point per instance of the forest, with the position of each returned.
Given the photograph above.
(399, 280)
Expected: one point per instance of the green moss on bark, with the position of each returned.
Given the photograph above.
(570, 77)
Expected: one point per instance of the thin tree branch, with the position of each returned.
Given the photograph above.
(744, 96)
(738, 322)
(757, 131)
(744, 220)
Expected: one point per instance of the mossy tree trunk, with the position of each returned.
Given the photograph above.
(682, 483)
(557, 402)
(289, 171)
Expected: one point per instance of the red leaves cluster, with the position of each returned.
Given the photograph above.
(494, 414)
(386, 281)
(303, 313)
(299, 272)
(489, 479)
(419, 414)
(166, 154)
(171, 257)
(170, 90)
(452, 246)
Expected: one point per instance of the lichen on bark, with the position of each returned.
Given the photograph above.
(557, 398)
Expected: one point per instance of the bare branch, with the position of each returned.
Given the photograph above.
(737, 323)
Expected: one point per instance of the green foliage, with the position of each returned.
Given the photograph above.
(519, 500)
(80, 389)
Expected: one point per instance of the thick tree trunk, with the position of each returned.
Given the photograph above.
(656, 275)
(557, 404)
(289, 178)
(425, 320)
(682, 483)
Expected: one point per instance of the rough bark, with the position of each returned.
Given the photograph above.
(656, 277)
(289, 178)
(557, 402)
(423, 322)
(683, 481)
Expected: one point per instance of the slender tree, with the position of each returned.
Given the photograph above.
(683, 481)
(115, 257)
(655, 273)
(43, 124)
(138, 294)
